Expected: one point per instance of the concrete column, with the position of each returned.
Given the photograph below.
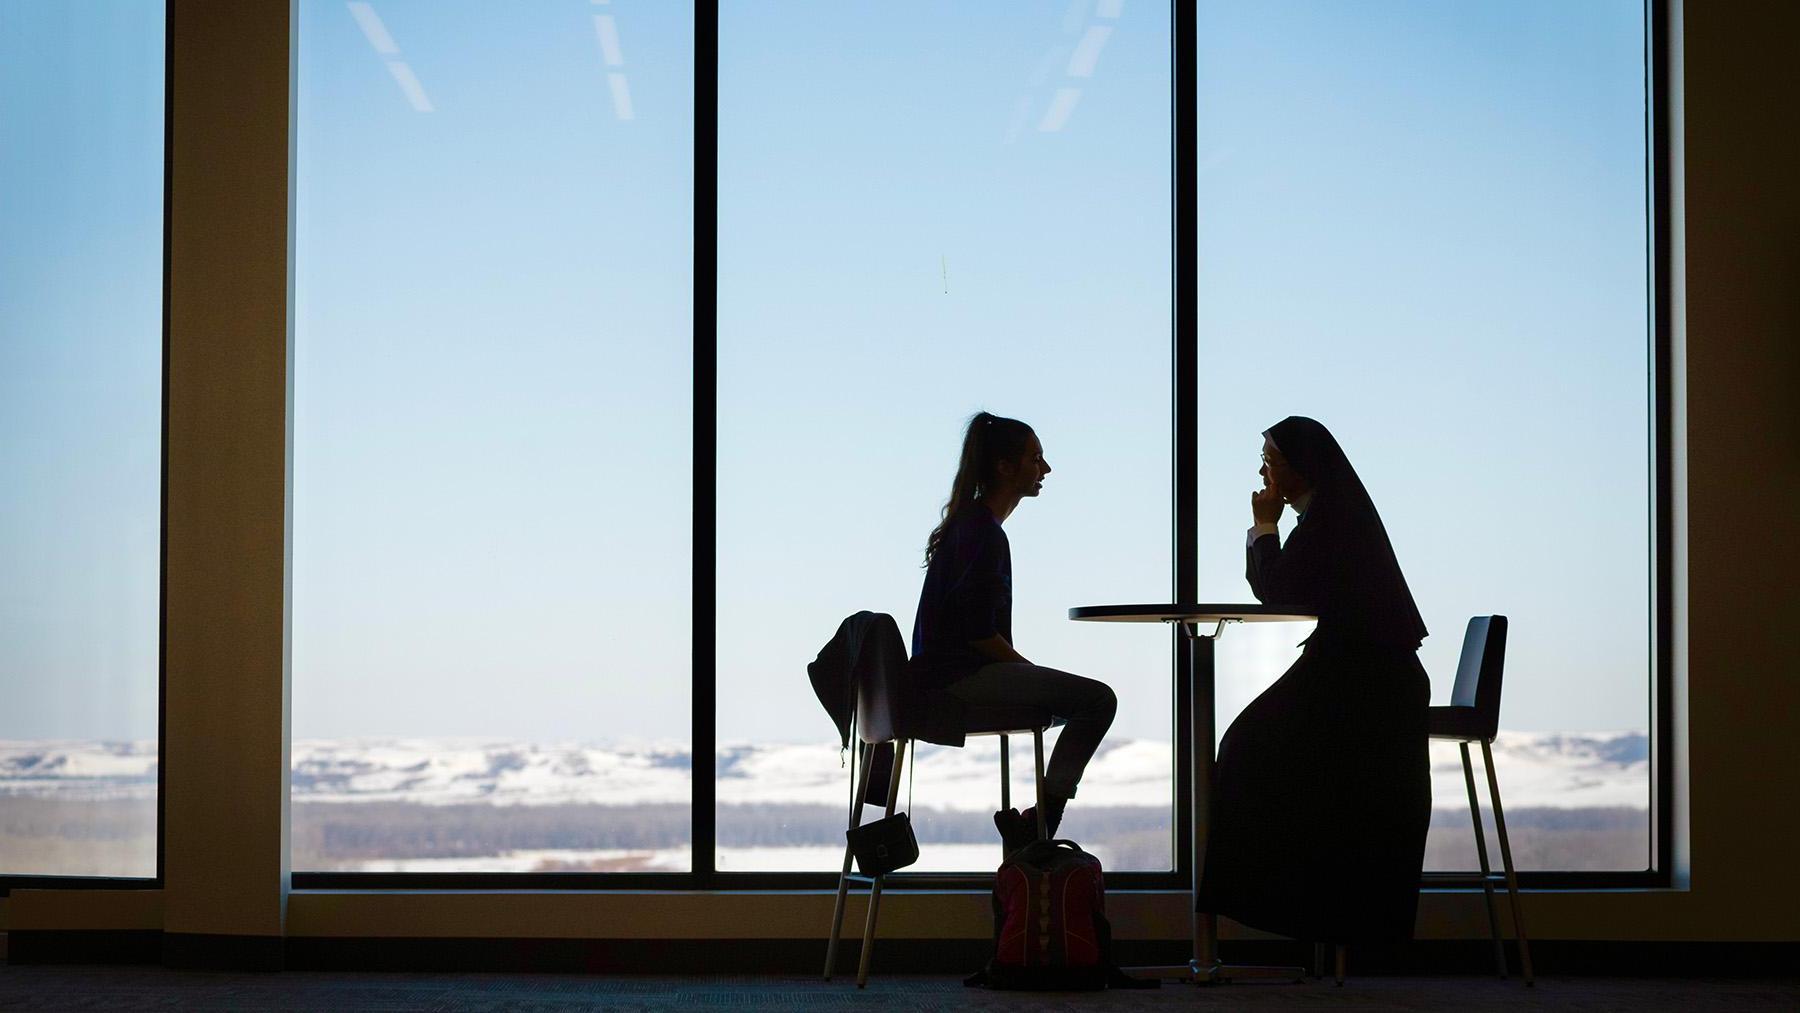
(229, 375)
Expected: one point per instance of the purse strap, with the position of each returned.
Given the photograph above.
(912, 764)
(855, 758)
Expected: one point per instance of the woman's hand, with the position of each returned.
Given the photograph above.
(998, 649)
(1265, 505)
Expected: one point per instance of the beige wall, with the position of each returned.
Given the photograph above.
(225, 703)
(1738, 344)
(1743, 419)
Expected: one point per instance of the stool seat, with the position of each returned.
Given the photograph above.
(1007, 720)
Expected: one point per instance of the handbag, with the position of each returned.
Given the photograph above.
(887, 843)
(884, 845)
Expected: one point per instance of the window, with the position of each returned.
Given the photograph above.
(1425, 225)
(81, 146)
(492, 506)
(924, 212)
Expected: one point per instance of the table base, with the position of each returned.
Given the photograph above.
(1206, 967)
(1217, 973)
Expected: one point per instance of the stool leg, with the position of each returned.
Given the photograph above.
(893, 798)
(1341, 961)
(1487, 887)
(1318, 960)
(860, 778)
(1512, 878)
(1037, 746)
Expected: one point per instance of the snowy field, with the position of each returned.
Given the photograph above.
(1562, 770)
(422, 805)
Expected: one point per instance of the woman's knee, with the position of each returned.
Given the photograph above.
(1103, 702)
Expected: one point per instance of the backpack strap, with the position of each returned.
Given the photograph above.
(1116, 978)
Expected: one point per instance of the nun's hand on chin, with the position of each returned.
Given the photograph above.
(1265, 505)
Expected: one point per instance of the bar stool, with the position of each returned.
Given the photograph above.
(1474, 716)
(880, 714)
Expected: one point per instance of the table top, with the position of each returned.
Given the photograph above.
(1186, 612)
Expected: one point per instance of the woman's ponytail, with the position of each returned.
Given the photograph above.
(987, 440)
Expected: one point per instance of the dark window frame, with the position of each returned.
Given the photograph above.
(1184, 349)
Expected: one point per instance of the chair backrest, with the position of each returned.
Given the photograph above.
(1478, 673)
(879, 671)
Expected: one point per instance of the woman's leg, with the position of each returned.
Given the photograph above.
(1085, 705)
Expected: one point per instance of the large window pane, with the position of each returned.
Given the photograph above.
(492, 508)
(81, 154)
(924, 211)
(1424, 225)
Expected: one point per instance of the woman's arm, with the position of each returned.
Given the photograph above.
(1284, 576)
(1281, 575)
(983, 600)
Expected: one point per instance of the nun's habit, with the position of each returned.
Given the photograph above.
(1323, 789)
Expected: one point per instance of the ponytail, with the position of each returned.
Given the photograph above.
(988, 440)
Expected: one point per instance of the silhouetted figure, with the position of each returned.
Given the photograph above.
(962, 634)
(1323, 790)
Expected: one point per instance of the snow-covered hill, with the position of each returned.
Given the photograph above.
(1536, 769)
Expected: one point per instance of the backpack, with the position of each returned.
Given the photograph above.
(1050, 927)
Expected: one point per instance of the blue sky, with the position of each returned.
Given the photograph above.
(81, 98)
(1421, 223)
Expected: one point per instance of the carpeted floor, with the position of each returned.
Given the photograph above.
(153, 988)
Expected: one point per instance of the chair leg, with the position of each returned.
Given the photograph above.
(868, 945)
(893, 798)
(860, 778)
(1512, 878)
(1487, 886)
(900, 760)
(1037, 746)
(1005, 784)
(1342, 956)
(1005, 774)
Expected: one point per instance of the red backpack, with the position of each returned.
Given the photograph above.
(1050, 928)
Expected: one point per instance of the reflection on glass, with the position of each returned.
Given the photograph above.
(924, 212)
(81, 154)
(493, 466)
(1424, 225)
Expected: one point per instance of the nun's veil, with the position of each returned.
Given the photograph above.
(1368, 598)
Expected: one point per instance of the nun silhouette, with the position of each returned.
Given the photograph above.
(1323, 791)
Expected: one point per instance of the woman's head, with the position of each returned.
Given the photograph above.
(1300, 455)
(1280, 474)
(1369, 593)
(1001, 457)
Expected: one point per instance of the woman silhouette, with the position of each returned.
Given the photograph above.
(962, 639)
(1323, 790)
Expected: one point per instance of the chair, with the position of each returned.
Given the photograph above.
(1474, 716)
(881, 718)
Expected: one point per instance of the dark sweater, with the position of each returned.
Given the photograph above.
(967, 597)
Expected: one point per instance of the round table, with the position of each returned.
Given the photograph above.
(1205, 965)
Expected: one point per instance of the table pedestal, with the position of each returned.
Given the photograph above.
(1205, 967)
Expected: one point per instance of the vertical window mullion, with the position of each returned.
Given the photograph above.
(1184, 360)
(706, 293)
